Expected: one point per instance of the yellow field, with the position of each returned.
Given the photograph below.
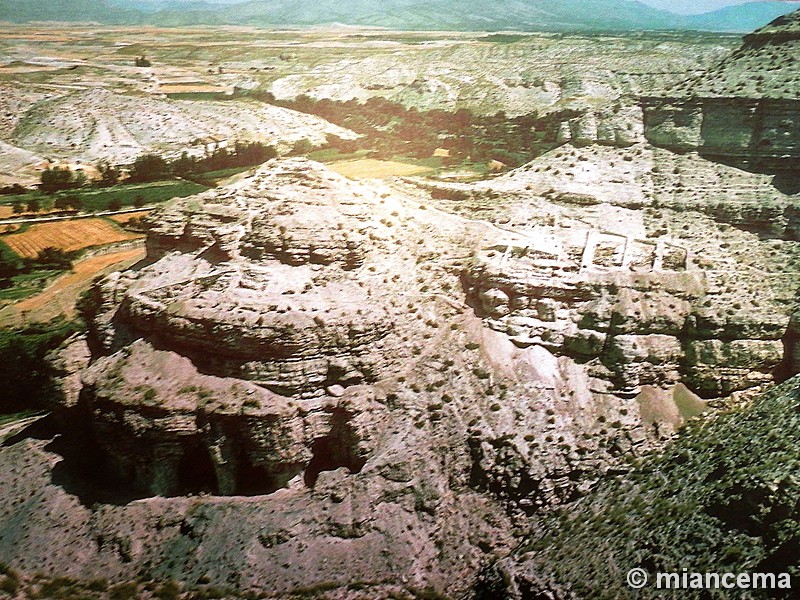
(188, 88)
(370, 168)
(125, 217)
(36, 36)
(66, 235)
(18, 70)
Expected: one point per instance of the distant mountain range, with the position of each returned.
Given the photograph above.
(741, 18)
(467, 15)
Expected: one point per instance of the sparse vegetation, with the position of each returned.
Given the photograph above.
(56, 179)
(22, 353)
(708, 504)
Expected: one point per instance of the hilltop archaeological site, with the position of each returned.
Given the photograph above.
(351, 387)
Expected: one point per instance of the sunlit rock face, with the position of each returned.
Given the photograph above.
(351, 367)
(267, 310)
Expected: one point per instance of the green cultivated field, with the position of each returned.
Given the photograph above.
(26, 284)
(94, 199)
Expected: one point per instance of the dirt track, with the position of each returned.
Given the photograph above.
(60, 297)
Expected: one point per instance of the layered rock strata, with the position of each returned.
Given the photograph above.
(307, 369)
(744, 110)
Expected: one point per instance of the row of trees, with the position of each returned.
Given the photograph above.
(57, 179)
(13, 190)
(69, 202)
(152, 167)
(242, 154)
(389, 128)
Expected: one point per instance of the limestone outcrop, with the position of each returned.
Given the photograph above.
(353, 368)
(314, 385)
(744, 110)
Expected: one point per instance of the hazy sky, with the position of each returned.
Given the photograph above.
(699, 6)
(677, 6)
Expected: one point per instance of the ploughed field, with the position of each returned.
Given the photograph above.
(67, 236)
(60, 296)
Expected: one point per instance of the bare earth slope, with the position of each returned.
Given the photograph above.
(98, 125)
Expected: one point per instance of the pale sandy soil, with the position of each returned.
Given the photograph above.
(180, 88)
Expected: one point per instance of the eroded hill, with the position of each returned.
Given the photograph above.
(365, 389)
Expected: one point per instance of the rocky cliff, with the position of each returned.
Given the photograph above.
(744, 110)
(310, 380)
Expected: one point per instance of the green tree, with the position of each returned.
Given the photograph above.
(150, 167)
(302, 146)
(66, 202)
(74, 201)
(79, 179)
(139, 201)
(53, 258)
(185, 165)
(109, 174)
(10, 265)
(115, 205)
(13, 189)
(56, 179)
(34, 205)
(18, 207)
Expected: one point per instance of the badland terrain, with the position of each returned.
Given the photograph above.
(502, 316)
